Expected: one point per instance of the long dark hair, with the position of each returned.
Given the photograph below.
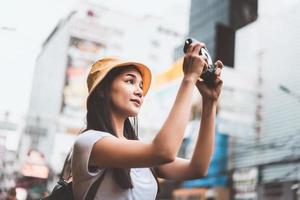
(99, 118)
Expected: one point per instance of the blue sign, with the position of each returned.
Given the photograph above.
(215, 175)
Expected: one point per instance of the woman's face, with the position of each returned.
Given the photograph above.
(126, 93)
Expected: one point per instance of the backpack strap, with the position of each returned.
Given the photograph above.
(94, 188)
(65, 173)
(63, 180)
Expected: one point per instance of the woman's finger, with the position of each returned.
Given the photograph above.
(204, 60)
(197, 48)
(219, 64)
(191, 48)
(218, 81)
(218, 69)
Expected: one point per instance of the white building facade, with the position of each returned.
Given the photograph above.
(269, 49)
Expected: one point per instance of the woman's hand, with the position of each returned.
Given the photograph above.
(212, 93)
(193, 63)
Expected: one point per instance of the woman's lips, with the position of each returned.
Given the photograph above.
(136, 101)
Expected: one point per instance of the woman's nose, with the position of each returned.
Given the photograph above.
(139, 92)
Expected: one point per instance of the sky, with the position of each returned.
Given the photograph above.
(24, 25)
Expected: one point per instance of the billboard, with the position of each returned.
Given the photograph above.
(245, 183)
(81, 54)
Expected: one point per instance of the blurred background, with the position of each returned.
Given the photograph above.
(46, 50)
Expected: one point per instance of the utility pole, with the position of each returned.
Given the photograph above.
(259, 97)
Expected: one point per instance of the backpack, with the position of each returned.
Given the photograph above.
(64, 190)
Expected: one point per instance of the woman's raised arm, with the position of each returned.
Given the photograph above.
(164, 147)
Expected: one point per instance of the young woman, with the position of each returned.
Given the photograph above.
(110, 145)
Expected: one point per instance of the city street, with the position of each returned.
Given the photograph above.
(48, 49)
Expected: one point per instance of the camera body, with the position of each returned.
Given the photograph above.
(208, 75)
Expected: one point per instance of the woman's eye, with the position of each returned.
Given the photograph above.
(130, 81)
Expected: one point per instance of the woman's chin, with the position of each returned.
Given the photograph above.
(133, 113)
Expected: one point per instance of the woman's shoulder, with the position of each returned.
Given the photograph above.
(93, 133)
(91, 136)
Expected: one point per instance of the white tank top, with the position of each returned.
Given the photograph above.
(144, 183)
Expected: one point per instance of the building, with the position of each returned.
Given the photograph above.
(215, 22)
(259, 105)
(11, 129)
(273, 152)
